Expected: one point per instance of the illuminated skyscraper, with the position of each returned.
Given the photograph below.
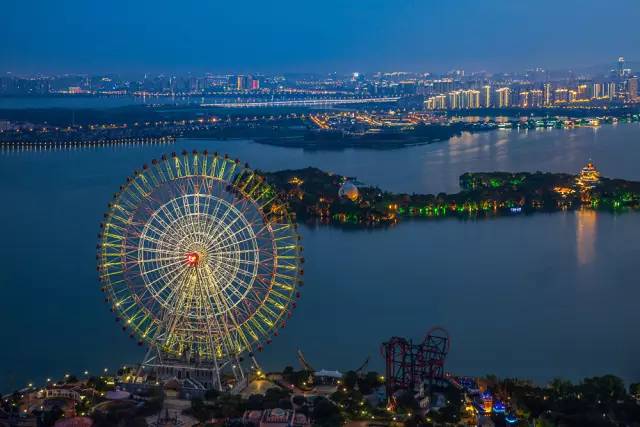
(440, 102)
(561, 95)
(583, 92)
(524, 99)
(573, 95)
(597, 91)
(455, 99)
(486, 96)
(632, 89)
(548, 94)
(443, 85)
(472, 98)
(536, 97)
(504, 97)
(611, 90)
(620, 66)
(242, 82)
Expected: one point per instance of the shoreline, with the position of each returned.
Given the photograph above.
(318, 197)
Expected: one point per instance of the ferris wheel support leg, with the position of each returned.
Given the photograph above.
(147, 358)
(217, 369)
(238, 372)
(255, 363)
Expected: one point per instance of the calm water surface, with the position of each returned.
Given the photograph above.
(538, 296)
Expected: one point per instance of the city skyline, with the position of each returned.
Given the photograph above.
(287, 37)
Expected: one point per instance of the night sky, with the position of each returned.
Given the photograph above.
(303, 35)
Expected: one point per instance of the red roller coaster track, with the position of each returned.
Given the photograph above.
(408, 365)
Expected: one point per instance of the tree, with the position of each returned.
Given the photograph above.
(407, 403)
(199, 410)
(255, 402)
(560, 387)
(50, 417)
(299, 400)
(276, 398)
(634, 390)
(369, 383)
(326, 413)
(350, 378)
(287, 373)
(608, 388)
(211, 394)
(135, 422)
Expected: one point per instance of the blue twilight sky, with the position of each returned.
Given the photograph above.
(306, 35)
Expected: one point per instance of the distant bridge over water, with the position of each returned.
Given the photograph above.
(302, 102)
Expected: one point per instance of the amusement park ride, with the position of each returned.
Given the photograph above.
(201, 262)
(411, 366)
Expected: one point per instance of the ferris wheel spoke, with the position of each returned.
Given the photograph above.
(234, 244)
(230, 274)
(246, 268)
(229, 312)
(219, 321)
(239, 231)
(231, 207)
(168, 281)
(159, 250)
(176, 315)
(167, 277)
(153, 270)
(189, 205)
(218, 230)
(233, 278)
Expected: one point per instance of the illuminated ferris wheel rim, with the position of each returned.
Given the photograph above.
(207, 257)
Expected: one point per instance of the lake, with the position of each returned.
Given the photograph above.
(537, 296)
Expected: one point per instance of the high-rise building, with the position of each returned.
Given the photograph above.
(611, 90)
(524, 101)
(472, 98)
(504, 97)
(632, 89)
(548, 94)
(620, 66)
(537, 98)
(597, 91)
(486, 96)
(583, 92)
(242, 82)
(438, 102)
(443, 85)
(573, 95)
(455, 99)
(561, 95)
(232, 82)
(461, 99)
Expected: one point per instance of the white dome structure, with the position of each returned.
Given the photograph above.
(348, 190)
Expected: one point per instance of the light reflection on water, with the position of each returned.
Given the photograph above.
(521, 296)
(586, 234)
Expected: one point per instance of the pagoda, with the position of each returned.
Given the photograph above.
(588, 177)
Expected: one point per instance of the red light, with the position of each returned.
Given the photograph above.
(192, 259)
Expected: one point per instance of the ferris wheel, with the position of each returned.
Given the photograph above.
(200, 261)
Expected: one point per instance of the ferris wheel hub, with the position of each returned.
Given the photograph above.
(193, 258)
